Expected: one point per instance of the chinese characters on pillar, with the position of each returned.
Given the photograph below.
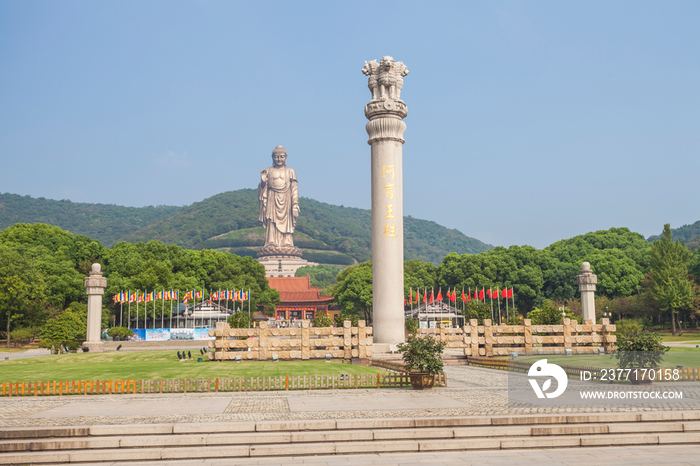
(389, 228)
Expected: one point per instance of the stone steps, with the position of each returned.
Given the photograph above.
(342, 436)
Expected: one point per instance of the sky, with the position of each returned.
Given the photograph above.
(528, 122)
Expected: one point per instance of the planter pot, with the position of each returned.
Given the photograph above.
(422, 380)
(640, 376)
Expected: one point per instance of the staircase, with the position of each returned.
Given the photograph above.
(111, 443)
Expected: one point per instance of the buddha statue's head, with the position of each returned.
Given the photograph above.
(279, 157)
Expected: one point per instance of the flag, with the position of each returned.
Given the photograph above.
(115, 298)
(131, 297)
(510, 293)
(481, 294)
(432, 295)
(425, 296)
(439, 296)
(504, 293)
(454, 296)
(404, 301)
(469, 296)
(464, 298)
(198, 294)
(488, 292)
(476, 294)
(417, 296)
(410, 295)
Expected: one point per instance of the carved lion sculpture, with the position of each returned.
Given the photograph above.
(385, 78)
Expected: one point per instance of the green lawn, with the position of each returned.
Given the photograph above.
(687, 357)
(159, 365)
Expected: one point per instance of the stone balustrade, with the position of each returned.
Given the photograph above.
(501, 340)
(304, 342)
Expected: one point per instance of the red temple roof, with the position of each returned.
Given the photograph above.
(298, 290)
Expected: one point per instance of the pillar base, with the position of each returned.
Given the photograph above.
(94, 346)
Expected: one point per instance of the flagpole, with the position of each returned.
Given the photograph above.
(121, 308)
(491, 298)
(137, 309)
(498, 298)
(129, 299)
(248, 303)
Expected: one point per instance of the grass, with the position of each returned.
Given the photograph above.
(159, 365)
(687, 357)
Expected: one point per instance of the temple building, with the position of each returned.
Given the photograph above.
(298, 299)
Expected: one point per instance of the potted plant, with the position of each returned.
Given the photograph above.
(640, 352)
(421, 357)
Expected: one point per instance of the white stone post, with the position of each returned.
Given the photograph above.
(586, 285)
(385, 113)
(95, 285)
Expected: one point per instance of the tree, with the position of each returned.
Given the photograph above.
(21, 287)
(239, 319)
(670, 286)
(322, 276)
(354, 290)
(70, 326)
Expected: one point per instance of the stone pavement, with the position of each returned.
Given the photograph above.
(664, 455)
(471, 392)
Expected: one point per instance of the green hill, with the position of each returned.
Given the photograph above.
(690, 234)
(326, 233)
(103, 222)
(323, 232)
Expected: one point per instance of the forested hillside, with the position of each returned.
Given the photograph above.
(229, 221)
(323, 231)
(690, 234)
(103, 222)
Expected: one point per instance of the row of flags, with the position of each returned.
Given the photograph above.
(478, 295)
(124, 297)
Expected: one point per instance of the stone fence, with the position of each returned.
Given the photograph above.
(501, 340)
(305, 342)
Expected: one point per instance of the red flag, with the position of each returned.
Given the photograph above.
(464, 298)
(481, 294)
(510, 293)
(453, 298)
(476, 294)
(425, 296)
(410, 296)
(404, 301)
(439, 296)
(469, 296)
(417, 296)
(432, 295)
(504, 293)
(488, 292)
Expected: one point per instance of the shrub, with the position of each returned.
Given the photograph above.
(640, 350)
(343, 316)
(629, 327)
(549, 314)
(25, 336)
(422, 354)
(322, 320)
(412, 327)
(121, 332)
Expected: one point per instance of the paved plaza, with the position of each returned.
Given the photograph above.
(471, 392)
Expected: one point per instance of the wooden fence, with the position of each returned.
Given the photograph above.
(686, 374)
(304, 342)
(239, 384)
(500, 340)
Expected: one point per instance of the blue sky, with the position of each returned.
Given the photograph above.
(528, 122)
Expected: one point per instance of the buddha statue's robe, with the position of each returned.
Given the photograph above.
(278, 193)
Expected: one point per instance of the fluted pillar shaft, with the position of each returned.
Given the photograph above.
(386, 129)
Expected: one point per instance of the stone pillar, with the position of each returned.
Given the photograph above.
(95, 285)
(586, 284)
(385, 113)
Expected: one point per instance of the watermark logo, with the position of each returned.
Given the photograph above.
(542, 369)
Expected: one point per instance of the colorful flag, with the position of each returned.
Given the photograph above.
(198, 295)
(115, 298)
